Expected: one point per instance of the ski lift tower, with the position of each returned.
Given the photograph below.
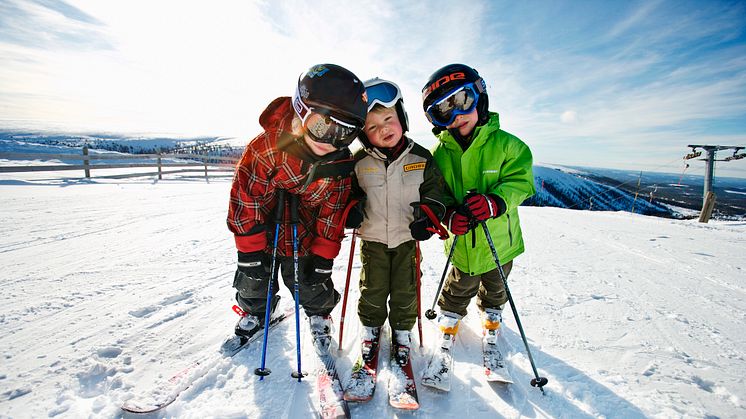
(710, 166)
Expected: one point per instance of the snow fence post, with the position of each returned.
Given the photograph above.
(160, 174)
(85, 162)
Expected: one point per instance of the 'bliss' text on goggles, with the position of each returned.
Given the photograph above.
(323, 127)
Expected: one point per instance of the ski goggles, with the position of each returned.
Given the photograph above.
(323, 127)
(459, 101)
(382, 92)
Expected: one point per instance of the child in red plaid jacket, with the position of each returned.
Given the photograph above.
(303, 154)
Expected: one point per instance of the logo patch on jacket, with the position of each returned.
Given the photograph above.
(414, 166)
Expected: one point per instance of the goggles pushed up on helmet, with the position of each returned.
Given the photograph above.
(322, 126)
(382, 92)
(459, 101)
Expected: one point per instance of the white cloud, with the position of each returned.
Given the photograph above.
(569, 117)
(628, 84)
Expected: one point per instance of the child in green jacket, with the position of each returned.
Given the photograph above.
(489, 173)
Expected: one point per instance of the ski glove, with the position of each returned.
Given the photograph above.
(484, 206)
(254, 265)
(419, 229)
(457, 221)
(318, 270)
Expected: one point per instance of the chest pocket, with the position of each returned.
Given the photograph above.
(411, 181)
(370, 180)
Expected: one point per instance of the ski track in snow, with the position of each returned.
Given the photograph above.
(128, 282)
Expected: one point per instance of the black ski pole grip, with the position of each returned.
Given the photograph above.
(280, 208)
(294, 202)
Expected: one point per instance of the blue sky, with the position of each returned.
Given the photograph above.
(620, 84)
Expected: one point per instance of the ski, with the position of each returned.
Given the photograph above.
(402, 387)
(437, 375)
(332, 404)
(167, 391)
(494, 361)
(362, 384)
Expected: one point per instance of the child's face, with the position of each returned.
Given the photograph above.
(465, 123)
(319, 149)
(383, 128)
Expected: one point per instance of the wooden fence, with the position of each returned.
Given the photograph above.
(188, 163)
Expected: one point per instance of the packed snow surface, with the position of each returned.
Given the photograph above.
(110, 287)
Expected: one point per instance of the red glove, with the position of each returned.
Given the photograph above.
(484, 207)
(457, 222)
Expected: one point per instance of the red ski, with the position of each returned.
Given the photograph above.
(402, 387)
(331, 403)
(362, 384)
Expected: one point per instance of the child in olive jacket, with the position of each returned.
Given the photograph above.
(397, 176)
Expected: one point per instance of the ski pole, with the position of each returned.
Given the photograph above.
(294, 223)
(430, 314)
(279, 215)
(418, 274)
(347, 287)
(536, 381)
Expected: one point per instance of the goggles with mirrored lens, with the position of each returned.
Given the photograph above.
(459, 101)
(382, 93)
(323, 127)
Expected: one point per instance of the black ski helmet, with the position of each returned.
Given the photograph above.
(335, 89)
(451, 77)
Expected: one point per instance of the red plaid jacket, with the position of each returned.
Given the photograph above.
(263, 169)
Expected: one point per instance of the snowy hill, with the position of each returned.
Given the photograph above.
(108, 287)
(11, 140)
(567, 188)
(556, 186)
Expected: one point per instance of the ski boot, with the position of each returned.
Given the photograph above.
(249, 324)
(448, 323)
(369, 344)
(321, 329)
(492, 319)
(402, 341)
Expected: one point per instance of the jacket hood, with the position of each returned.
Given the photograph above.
(278, 116)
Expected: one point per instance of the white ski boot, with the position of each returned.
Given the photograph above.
(492, 319)
(248, 325)
(321, 331)
(448, 324)
(370, 337)
(402, 341)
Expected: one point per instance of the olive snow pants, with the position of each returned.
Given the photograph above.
(388, 275)
(460, 288)
(316, 299)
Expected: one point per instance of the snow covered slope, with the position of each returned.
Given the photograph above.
(107, 287)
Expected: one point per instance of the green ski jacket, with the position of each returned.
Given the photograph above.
(496, 162)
